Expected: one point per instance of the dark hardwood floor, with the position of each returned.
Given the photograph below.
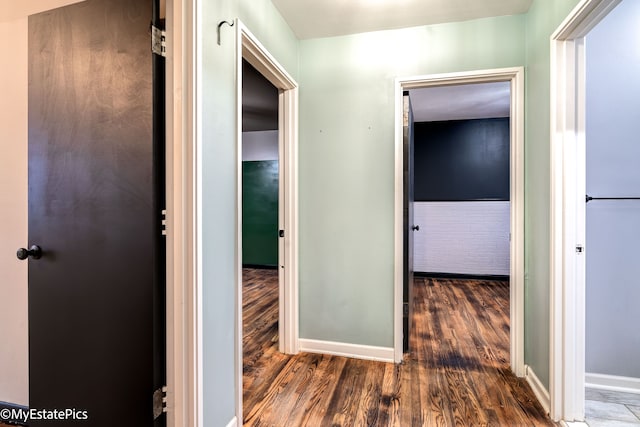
(457, 373)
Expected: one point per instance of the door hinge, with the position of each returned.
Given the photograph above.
(579, 249)
(159, 402)
(158, 41)
(163, 215)
(405, 309)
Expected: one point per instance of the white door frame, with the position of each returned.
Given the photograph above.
(516, 77)
(184, 285)
(567, 267)
(249, 48)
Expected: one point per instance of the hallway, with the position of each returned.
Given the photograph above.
(456, 375)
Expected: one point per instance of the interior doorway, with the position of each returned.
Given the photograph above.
(260, 228)
(260, 171)
(457, 187)
(257, 60)
(514, 77)
(594, 214)
(612, 219)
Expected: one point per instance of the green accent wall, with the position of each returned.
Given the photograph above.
(260, 213)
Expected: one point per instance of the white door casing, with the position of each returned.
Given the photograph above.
(516, 78)
(249, 48)
(568, 182)
(184, 284)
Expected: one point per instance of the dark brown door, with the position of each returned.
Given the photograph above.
(93, 209)
(409, 226)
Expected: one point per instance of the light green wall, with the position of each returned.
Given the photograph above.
(218, 165)
(347, 166)
(543, 18)
(347, 162)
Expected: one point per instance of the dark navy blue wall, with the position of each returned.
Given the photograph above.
(462, 160)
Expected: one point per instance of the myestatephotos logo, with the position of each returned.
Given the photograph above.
(24, 415)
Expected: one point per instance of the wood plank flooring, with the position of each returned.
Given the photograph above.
(457, 373)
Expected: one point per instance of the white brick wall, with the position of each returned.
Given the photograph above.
(462, 237)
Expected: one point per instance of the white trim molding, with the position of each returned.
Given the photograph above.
(567, 266)
(538, 388)
(233, 422)
(613, 383)
(366, 352)
(249, 48)
(194, 115)
(184, 321)
(515, 76)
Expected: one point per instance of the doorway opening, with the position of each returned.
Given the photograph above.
(457, 192)
(260, 228)
(514, 78)
(595, 376)
(267, 201)
(612, 219)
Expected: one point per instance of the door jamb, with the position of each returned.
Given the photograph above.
(184, 286)
(515, 76)
(249, 48)
(567, 267)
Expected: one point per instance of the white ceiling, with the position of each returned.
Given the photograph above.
(327, 18)
(461, 102)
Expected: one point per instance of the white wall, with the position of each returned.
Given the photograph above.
(260, 145)
(14, 10)
(462, 237)
(613, 227)
(14, 361)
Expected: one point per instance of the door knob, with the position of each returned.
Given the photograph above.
(416, 228)
(34, 252)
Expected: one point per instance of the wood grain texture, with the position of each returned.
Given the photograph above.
(456, 374)
(91, 199)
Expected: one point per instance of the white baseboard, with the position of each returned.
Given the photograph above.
(612, 383)
(367, 352)
(538, 388)
(233, 422)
